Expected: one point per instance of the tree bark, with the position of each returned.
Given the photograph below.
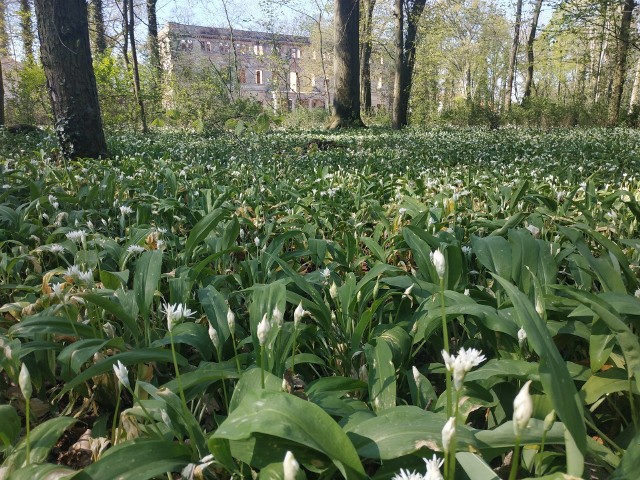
(634, 101)
(530, 54)
(512, 57)
(346, 63)
(365, 53)
(152, 37)
(621, 62)
(26, 27)
(134, 65)
(4, 42)
(97, 21)
(66, 56)
(1, 93)
(405, 58)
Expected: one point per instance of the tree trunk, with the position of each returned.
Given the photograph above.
(346, 63)
(365, 53)
(1, 93)
(26, 27)
(152, 37)
(397, 120)
(530, 54)
(406, 55)
(621, 62)
(512, 57)
(70, 78)
(134, 64)
(634, 101)
(4, 43)
(97, 21)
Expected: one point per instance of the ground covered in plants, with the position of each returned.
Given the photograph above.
(199, 306)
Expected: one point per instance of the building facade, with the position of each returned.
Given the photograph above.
(281, 72)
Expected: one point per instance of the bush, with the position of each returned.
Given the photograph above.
(306, 119)
(27, 101)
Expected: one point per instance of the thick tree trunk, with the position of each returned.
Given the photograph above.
(621, 62)
(365, 53)
(346, 63)
(97, 24)
(406, 59)
(66, 56)
(134, 65)
(512, 57)
(530, 54)
(26, 27)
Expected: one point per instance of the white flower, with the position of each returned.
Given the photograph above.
(109, 330)
(448, 431)
(325, 273)
(215, 339)
(231, 321)
(522, 409)
(462, 363)
(56, 248)
(535, 231)
(433, 468)
(402, 211)
(53, 201)
(333, 290)
(256, 241)
(24, 380)
(79, 236)
(407, 292)
(175, 313)
(126, 210)
(277, 317)
(407, 475)
(438, 260)
(637, 294)
(86, 277)
(298, 313)
(416, 375)
(263, 330)
(291, 466)
(135, 249)
(73, 271)
(121, 373)
(57, 289)
(522, 336)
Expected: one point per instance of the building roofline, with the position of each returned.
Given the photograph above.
(240, 35)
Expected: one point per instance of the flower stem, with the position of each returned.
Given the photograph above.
(235, 352)
(175, 366)
(293, 351)
(445, 339)
(28, 421)
(115, 418)
(262, 366)
(515, 460)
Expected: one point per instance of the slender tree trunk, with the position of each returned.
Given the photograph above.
(236, 79)
(1, 92)
(152, 37)
(530, 54)
(4, 43)
(397, 120)
(621, 62)
(98, 30)
(365, 53)
(134, 64)
(602, 52)
(407, 54)
(26, 27)
(346, 64)
(125, 29)
(512, 57)
(634, 101)
(66, 56)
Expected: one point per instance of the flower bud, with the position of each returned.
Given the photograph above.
(438, 260)
(263, 330)
(122, 373)
(549, 420)
(231, 321)
(291, 466)
(298, 313)
(24, 380)
(448, 432)
(522, 409)
(215, 339)
(333, 290)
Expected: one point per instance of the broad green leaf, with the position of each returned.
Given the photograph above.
(554, 376)
(290, 418)
(146, 278)
(9, 425)
(382, 376)
(192, 334)
(630, 464)
(141, 355)
(216, 308)
(112, 305)
(201, 229)
(504, 436)
(138, 459)
(41, 324)
(604, 383)
(402, 431)
(494, 253)
(44, 471)
(475, 467)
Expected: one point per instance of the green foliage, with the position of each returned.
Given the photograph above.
(26, 98)
(327, 239)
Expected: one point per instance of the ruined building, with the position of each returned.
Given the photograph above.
(278, 71)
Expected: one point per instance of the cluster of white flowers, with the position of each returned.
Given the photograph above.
(175, 313)
(79, 236)
(462, 363)
(126, 210)
(433, 471)
(135, 249)
(53, 201)
(75, 273)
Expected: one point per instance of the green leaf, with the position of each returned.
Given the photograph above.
(45, 471)
(142, 355)
(112, 305)
(630, 464)
(290, 418)
(192, 334)
(604, 383)
(202, 229)
(382, 376)
(402, 431)
(146, 278)
(475, 467)
(9, 425)
(494, 253)
(138, 459)
(504, 436)
(42, 439)
(554, 375)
